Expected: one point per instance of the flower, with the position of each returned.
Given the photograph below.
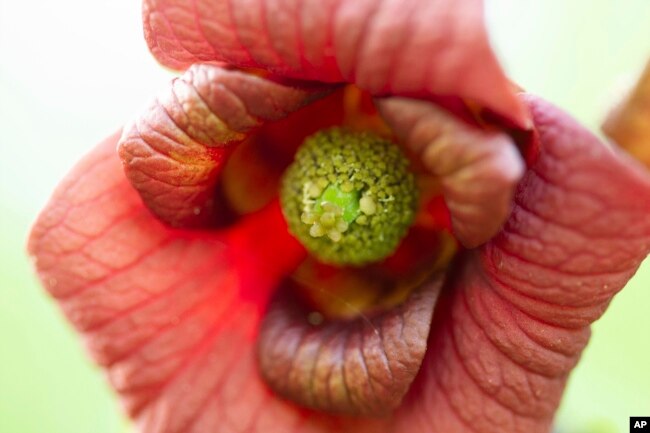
(172, 309)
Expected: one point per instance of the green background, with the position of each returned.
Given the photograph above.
(72, 71)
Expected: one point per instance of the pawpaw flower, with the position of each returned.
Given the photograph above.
(213, 264)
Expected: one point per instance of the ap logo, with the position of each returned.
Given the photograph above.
(639, 424)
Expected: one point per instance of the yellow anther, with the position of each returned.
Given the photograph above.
(308, 218)
(317, 231)
(367, 205)
(328, 219)
(334, 235)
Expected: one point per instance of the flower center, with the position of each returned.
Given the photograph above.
(349, 197)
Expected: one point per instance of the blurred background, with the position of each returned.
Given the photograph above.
(72, 71)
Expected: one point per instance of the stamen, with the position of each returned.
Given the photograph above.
(349, 197)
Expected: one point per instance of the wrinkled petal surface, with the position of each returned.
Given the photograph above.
(362, 366)
(174, 152)
(518, 310)
(172, 315)
(479, 170)
(416, 48)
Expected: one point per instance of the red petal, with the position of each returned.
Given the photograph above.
(478, 170)
(171, 314)
(416, 48)
(518, 313)
(174, 152)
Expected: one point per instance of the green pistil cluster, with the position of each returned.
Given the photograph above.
(349, 197)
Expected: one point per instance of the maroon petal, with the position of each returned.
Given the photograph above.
(360, 366)
(478, 170)
(174, 152)
(417, 48)
(518, 311)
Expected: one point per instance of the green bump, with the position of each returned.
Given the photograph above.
(347, 201)
(349, 197)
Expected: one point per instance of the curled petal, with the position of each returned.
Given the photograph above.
(413, 48)
(478, 169)
(174, 152)
(362, 366)
(518, 311)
